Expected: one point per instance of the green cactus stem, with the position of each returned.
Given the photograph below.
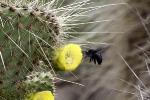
(31, 32)
(28, 36)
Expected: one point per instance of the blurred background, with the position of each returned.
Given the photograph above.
(124, 29)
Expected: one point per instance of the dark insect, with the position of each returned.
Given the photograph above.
(94, 56)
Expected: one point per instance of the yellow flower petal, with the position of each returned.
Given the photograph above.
(44, 95)
(68, 57)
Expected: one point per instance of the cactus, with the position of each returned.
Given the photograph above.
(32, 34)
(29, 35)
(36, 82)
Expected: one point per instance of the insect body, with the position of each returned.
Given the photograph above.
(94, 56)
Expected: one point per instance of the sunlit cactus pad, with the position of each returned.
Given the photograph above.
(36, 82)
(40, 81)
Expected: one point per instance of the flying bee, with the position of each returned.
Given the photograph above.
(95, 55)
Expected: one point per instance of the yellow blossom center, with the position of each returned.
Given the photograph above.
(69, 61)
(69, 58)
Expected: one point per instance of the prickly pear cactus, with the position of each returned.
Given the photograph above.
(29, 34)
(33, 47)
(35, 82)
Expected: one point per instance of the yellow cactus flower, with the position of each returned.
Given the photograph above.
(68, 57)
(44, 95)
